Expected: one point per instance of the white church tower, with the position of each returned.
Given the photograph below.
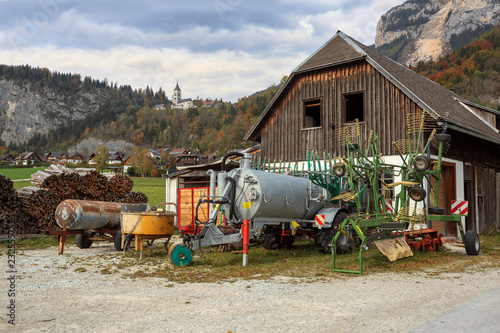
(176, 98)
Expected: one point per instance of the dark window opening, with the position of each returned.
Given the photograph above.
(312, 113)
(498, 122)
(353, 107)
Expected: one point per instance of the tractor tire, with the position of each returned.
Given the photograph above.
(323, 237)
(442, 137)
(270, 241)
(472, 243)
(118, 241)
(83, 241)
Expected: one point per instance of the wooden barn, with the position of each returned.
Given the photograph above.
(345, 80)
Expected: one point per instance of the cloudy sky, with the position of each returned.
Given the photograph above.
(213, 48)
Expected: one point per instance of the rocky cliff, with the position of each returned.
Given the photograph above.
(26, 109)
(422, 30)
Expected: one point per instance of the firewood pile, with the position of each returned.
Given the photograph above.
(13, 219)
(40, 205)
(37, 203)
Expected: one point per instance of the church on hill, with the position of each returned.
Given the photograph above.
(178, 102)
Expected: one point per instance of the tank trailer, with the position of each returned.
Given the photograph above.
(263, 205)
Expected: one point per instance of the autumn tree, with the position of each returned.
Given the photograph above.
(142, 161)
(101, 157)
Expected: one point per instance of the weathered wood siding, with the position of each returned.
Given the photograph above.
(482, 170)
(385, 108)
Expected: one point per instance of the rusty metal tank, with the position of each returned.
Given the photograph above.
(82, 215)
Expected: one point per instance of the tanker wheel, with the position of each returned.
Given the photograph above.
(323, 237)
(270, 241)
(180, 255)
(118, 241)
(83, 241)
(472, 243)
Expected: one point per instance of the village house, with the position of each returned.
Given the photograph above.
(7, 159)
(73, 158)
(156, 154)
(28, 158)
(115, 159)
(55, 156)
(345, 80)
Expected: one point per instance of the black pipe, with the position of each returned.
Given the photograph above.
(196, 220)
(233, 195)
(231, 153)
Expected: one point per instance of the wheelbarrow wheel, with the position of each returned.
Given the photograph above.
(180, 255)
(83, 241)
(118, 241)
(472, 243)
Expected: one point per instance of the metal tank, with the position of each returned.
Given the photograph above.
(264, 194)
(83, 215)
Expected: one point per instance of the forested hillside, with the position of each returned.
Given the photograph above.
(472, 71)
(129, 114)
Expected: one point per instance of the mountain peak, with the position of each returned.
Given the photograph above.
(422, 30)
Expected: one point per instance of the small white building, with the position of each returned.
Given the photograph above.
(178, 102)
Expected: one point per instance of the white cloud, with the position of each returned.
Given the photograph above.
(228, 59)
(225, 74)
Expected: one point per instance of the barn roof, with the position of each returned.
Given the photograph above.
(441, 103)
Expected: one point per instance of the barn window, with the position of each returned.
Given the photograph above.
(312, 113)
(354, 107)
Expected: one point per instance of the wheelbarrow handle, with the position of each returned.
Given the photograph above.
(168, 203)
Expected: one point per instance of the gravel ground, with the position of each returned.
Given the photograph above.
(52, 297)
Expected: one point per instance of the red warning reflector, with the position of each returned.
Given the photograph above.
(460, 207)
(320, 219)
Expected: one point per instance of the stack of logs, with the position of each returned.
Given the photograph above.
(13, 219)
(58, 183)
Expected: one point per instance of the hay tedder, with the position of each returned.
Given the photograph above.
(389, 223)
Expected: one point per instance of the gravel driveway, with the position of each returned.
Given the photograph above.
(52, 297)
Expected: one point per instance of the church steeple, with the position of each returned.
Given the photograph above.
(176, 98)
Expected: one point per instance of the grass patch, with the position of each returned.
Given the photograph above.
(153, 187)
(21, 183)
(20, 173)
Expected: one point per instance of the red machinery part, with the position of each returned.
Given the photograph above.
(424, 240)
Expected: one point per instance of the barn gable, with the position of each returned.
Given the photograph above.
(357, 68)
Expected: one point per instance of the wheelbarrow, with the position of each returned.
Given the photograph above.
(149, 225)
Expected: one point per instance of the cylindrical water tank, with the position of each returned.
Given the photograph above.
(82, 215)
(265, 194)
